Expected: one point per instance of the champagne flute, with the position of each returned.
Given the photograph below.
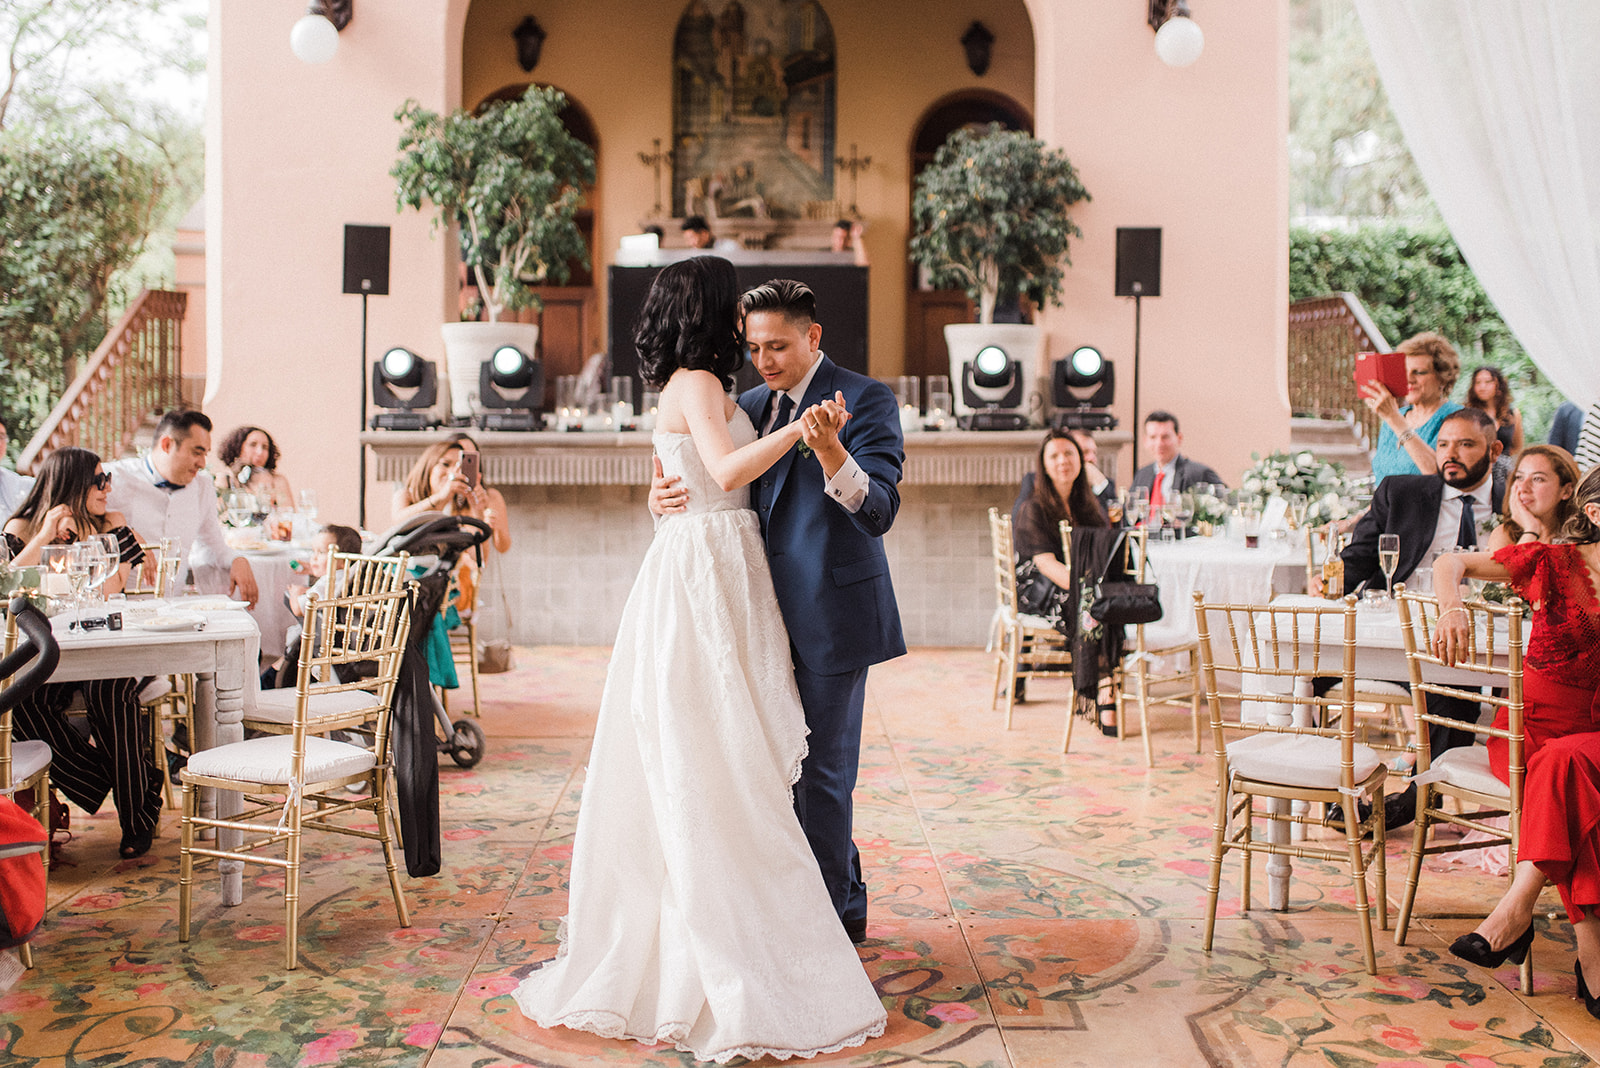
(1299, 505)
(1389, 559)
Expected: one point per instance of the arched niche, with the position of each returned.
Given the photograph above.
(569, 321)
(928, 311)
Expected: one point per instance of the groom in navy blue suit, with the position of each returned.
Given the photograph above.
(824, 508)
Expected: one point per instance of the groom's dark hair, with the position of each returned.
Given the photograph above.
(794, 300)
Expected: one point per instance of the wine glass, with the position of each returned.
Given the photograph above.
(112, 548)
(308, 502)
(1183, 513)
(85, 561)
(1389, 559)
(241, 506)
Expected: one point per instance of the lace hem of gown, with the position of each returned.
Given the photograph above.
(613, 1025)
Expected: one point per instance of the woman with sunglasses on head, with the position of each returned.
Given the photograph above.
(1558, 842)
(68, 502)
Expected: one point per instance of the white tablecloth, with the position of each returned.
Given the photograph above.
(1223, 570)
(275, 574)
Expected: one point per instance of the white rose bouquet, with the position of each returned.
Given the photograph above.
(1282, 474)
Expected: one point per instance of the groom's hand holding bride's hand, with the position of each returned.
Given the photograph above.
(819, 428)
(666, 496)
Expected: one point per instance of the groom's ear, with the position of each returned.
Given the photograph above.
(814, 336)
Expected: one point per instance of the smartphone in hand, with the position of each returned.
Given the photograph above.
(469, 469)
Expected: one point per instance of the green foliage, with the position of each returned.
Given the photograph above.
(512, 176)
(990, 216)
(1347, 157)
(1415, 279)
(71, 217)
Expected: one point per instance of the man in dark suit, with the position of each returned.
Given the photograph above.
(1431, 514)
(1171, 472)
(824, 509)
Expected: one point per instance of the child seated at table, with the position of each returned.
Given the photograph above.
(333, 536)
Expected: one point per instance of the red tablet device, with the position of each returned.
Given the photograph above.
(1388, 368)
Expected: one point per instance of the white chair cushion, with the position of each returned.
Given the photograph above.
(1307, 760)
(1035, 622)
(28, 759)
(270, 760)
(1377, 688)
(277, 706)
(1468, 767)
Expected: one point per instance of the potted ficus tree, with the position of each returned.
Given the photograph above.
(991, 218)
(512, 178)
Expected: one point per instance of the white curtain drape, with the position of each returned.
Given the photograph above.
(1499, 101)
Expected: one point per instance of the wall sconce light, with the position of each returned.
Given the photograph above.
(978, 42)
(1179, 41)
(530, 40)
(315, 38)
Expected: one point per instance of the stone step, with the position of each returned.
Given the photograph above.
(1340, 441)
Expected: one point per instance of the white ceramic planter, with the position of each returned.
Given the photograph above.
(467, 345)
(1021, 341)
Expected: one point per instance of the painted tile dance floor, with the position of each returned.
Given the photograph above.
(1028, 909)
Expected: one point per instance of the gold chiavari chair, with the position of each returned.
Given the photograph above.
(1274, 740)
(1143, 686)
(1028, 646)
(26, 765)
(350, 574)
(1494, 655)
(280, 774)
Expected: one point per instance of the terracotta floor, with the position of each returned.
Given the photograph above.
(1029, 909)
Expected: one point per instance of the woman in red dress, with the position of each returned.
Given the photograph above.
(1561, 723)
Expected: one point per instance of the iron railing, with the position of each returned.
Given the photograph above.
(135, 373)
(1325, 333)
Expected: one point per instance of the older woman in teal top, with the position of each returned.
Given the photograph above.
(1405, 440)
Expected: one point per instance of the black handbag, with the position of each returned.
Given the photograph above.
(1119, 600)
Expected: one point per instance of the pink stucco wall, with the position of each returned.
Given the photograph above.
(295, 152)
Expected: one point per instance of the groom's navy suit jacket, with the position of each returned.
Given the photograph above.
(828, 565)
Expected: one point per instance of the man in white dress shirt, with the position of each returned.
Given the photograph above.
(13, 487)
(169, 494)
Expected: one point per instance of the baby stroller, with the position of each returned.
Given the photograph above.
(441, 539)
(23, 840)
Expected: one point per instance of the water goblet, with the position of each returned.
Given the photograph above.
(1183, 513)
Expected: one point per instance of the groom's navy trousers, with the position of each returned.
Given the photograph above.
(832, 581)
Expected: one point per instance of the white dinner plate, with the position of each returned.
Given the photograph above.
(210, 604)
(268, 549)
(171, 621)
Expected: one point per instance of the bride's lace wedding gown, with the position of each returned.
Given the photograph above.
(697, 915)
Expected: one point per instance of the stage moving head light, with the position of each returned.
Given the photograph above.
(991, 383)
(511, 382)
(1082, 386)
(406, 385)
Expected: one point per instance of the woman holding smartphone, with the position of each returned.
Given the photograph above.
(447, 478)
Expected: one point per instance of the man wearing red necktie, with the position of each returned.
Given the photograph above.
(1171, 472)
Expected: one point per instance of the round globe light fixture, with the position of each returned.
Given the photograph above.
(1087, 361)
(1179, 41)
(314, 39)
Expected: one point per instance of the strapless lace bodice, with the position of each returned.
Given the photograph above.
(680, 457)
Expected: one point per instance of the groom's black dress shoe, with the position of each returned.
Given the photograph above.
(856, 929)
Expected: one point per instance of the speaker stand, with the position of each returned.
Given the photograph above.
(361, 449)
(1134, 424)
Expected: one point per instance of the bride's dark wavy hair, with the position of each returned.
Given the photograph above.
(691, 320)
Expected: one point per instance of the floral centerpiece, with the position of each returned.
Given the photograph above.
(1283, 474)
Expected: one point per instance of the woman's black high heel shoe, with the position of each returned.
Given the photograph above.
(1474, 949)
(1590, 1002)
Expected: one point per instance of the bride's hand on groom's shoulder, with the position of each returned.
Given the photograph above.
(666, 496)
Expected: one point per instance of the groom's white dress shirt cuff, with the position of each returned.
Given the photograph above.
(849, 485)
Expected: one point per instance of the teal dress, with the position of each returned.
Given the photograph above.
(1391, 458)
(436, 643)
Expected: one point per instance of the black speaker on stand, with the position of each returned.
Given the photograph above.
(366, 271)
(1138, 276)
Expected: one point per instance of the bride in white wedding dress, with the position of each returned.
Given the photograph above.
(697, 915)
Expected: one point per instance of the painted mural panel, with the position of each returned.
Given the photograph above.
(753, 108)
